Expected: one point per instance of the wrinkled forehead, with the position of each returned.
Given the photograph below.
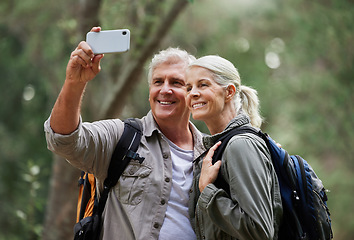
(169, 58)
(170, 68)
(172, 61)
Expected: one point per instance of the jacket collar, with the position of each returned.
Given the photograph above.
(150, 126)
(239, 120)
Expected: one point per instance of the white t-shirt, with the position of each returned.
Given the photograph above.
(176, 225)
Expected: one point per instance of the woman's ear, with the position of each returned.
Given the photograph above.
(230, 92)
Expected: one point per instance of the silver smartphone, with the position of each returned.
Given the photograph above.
(110, 41)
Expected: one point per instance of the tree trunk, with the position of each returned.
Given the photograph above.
(61, 208)
(115, 100)
(63, 193)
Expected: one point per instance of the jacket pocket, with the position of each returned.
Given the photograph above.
(131, 185)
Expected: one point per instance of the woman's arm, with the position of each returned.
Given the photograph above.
(248, 212)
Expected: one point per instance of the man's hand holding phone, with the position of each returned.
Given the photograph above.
(83, 65)
(111, 41)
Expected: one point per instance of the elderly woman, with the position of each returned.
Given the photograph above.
(252, 209)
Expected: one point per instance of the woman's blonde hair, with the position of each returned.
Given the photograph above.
(225, 73)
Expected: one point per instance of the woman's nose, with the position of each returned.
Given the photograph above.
(194, 93)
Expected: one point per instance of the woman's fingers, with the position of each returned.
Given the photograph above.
(211, 151)
(209, 170)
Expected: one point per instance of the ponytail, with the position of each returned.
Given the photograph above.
(250, 104)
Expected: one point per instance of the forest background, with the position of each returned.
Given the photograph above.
(298, 55)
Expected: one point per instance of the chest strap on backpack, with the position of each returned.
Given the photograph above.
(123, 153)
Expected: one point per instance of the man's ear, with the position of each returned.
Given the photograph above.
(230, 92)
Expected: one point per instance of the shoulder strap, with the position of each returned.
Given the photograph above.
(123, 153)
(226, 138)
(220, 181)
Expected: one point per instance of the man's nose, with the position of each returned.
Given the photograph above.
(166, 88)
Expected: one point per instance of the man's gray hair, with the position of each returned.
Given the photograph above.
(169, 56)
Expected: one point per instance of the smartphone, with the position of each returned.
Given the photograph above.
(110, 41)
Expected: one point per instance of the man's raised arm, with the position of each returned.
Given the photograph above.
(82, 67)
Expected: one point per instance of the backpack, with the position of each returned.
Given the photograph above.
(90, 208)
(305, 212)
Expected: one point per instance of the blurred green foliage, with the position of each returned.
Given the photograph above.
(297, 54)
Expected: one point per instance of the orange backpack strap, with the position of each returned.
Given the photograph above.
(88, 204)
(87, 195)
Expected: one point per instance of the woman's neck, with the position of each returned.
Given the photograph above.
(218, 123)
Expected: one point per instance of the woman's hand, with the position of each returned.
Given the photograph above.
(209, 171)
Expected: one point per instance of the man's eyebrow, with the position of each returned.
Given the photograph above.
(177, 79)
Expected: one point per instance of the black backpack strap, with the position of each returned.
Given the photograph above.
(125, 151)
(220, 181)
(226, 138)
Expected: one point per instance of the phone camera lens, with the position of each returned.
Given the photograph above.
(124, 33)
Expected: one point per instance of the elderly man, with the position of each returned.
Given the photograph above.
(150, 202)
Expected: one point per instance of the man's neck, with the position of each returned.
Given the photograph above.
(180, 134)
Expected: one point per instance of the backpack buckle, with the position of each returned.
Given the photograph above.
(135, 156)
